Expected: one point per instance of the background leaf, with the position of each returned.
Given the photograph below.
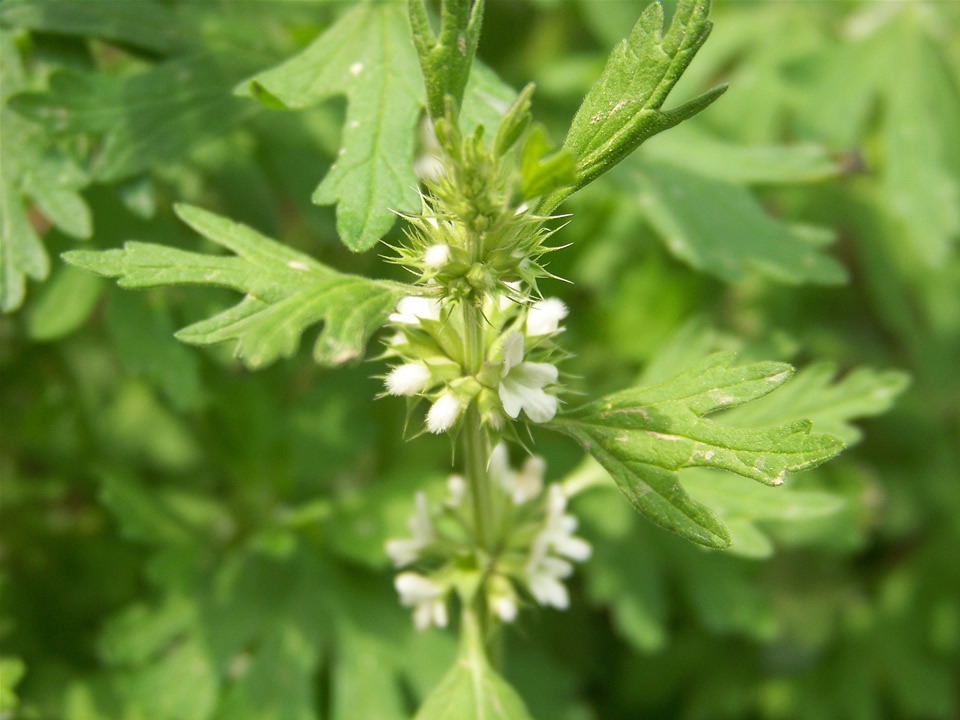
(721, 229)
(31, 167)
(146, 118)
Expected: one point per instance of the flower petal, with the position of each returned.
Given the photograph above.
(512, 352)
(540, 406)
(510, 396)
(535, 374)
(549, 591)
(544, 316)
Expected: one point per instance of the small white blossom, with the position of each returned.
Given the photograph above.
(457, 487)
(502, 598)
(559, 527)
(521, 383)
(444, 413)
(408, 379)
(404, 551)
(528, 483)
(426, 597)
(412, 308)
(545, 570)
(544, 317)
(544, 574)
(436, 256)
(520, 485)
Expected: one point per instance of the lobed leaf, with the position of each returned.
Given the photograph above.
(643, 436)
(742, 505)
(32, 167)
(147, 118)
(368, 56)
(899, 67)
(146, 24)
(829, 404)
(286, 292)
(720, 228)
(739, 163)
(623, 108)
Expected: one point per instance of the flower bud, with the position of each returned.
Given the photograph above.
(408, 379)
(443, 414)
(544, 317)
(436, 256)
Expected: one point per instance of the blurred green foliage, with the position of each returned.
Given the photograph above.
(185, 540)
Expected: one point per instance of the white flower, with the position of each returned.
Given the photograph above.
(436, 256)
(444, 413)
(544, 570)
(411, 308)
(502, 598)
(544, 574)
(521, 383)
(408, 379)
(519, 485)
(457, 487)
(426, 597)
(544, 317)
(404, 551)
(558, 529)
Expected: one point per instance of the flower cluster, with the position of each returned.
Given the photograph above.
(534, 552)
(518, 373)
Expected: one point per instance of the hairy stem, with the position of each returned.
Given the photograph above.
(474, 441)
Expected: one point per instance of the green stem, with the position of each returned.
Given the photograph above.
(474, 441)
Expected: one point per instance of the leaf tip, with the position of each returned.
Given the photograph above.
(266, 98)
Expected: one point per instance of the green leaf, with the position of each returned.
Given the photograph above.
(723, 160)
(140, 516)
(366, 55)
(143, 23)
(31, 167)
(141, 330)
(622, 109)
(360, 656)
(63, 304)
(12, 670)
(922, 153)
(185, 666)
(279, 682)
(742, 505)
(141, 632)
(285, 291)
(643, 436)
(147, 118)
(446, 60)
(813, 394)
(899, 67)
(720, 228)
(472, 690)
(486, 100)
